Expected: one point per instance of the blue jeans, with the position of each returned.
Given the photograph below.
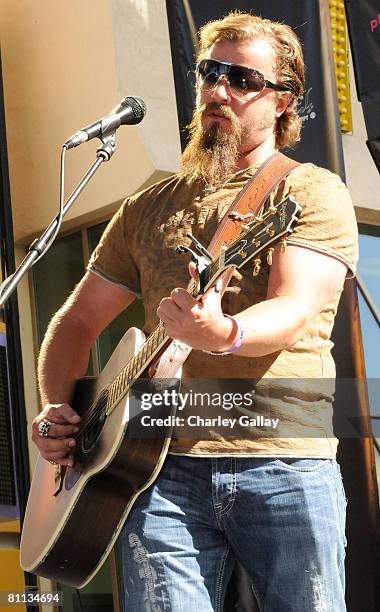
(283, 519)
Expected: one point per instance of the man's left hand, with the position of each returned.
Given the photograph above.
(197, 323)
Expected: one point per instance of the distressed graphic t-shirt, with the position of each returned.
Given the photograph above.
(294, 386)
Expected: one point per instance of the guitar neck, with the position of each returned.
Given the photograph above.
(136, 366)
(142, 359)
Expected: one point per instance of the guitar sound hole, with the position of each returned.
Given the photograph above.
(93, 429)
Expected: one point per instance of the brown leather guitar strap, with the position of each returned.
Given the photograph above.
(252, 197)
(249, 201)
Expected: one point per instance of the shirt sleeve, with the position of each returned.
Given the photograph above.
(327, 223)
(112, 259)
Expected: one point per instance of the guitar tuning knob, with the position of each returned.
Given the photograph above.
(283, 245)
(256, 266)
(270, 256)
(234, 289)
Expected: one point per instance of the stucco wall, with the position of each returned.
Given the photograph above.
(66, 64)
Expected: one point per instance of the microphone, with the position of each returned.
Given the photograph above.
(129, 112)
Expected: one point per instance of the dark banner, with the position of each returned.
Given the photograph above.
(363, 19)
(182, 49)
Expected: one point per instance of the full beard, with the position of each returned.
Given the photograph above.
(212, 153)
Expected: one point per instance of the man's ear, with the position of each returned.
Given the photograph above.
(283, 102)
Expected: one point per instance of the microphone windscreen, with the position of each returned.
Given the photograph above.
(137, 105)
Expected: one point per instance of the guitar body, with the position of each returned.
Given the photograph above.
(73, 519)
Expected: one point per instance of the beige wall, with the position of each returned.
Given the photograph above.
(66, 64)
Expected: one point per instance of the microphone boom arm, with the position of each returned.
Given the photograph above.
(38, 246)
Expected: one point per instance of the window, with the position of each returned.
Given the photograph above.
(369, 271)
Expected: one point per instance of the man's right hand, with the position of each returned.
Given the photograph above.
(63, 360)
(59, 425)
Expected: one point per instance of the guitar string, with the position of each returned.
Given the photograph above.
(129, 372)
(95, 410)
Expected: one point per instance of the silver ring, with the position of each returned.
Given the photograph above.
(162, 324)
(44, 428)
(53, 462)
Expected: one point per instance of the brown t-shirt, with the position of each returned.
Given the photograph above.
(295, 385)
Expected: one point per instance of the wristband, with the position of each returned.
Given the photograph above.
(238, 340)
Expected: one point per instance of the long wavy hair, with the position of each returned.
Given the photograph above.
(290, 69)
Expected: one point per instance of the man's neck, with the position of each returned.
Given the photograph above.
(256, 155)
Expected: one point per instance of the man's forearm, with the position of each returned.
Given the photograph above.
(271, 326)
(63, 359)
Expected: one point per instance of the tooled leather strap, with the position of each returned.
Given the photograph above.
(252, 197)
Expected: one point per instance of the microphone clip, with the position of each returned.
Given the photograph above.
(108, 146)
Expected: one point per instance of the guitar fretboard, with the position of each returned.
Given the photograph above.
(136, 365)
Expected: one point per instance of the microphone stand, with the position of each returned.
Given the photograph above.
(38, 246)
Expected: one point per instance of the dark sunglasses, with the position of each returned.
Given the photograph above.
(241, 79)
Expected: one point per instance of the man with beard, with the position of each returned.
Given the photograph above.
(274, 502)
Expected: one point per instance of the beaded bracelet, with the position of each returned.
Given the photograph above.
(238, 340)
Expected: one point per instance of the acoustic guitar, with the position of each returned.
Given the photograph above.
(75, 514)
